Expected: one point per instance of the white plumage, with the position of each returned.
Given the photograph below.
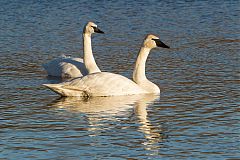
(67, 67)
(97, 84)
(109, 84)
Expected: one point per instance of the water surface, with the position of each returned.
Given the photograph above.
(196, 116)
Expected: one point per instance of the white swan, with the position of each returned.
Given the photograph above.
(109, 84)
(67, 67)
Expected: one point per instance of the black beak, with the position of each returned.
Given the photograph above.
(97, 30)
(160, 43)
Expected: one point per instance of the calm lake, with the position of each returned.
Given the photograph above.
(195, 117)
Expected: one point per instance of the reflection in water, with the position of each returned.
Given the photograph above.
(199, 106)
(98, 109)
(153, 134)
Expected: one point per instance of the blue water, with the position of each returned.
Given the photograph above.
(195, 117)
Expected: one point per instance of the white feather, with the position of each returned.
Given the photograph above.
(109, 84)
(97, 84)
(67, 67)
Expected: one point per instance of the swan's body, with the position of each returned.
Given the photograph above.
(109, 84)
(67, 67)
(100, 84)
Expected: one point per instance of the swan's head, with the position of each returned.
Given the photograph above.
(91, 28)
(152, 41)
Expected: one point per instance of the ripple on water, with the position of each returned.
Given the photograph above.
(196, 117)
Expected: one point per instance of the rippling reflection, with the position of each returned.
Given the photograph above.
(99, 109)
(198, 77)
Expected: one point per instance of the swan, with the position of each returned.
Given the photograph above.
(110, 84)
(67, 67)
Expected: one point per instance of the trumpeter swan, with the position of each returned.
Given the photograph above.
(109, 84)
(67, 67)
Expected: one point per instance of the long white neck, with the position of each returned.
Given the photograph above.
(139, 70)
(88, 58)
(139, 76)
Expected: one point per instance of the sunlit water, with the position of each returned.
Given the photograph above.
(196, 116)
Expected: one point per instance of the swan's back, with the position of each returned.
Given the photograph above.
(66, 67)
(97, 84)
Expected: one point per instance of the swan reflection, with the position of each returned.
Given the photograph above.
(98, 109)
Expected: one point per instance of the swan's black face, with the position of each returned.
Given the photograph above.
(160, 43)
(96, 29)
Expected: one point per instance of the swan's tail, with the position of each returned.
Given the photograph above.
(57, 88)
(66, 91)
